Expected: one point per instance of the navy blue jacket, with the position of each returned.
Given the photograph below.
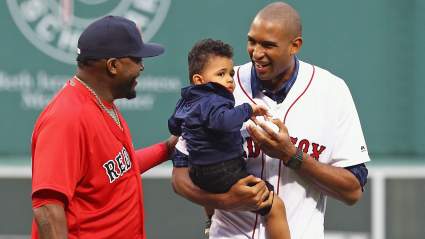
(206, 118)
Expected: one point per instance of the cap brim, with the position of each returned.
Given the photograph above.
(151, 49)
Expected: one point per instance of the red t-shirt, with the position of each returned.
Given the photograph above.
(79, 151)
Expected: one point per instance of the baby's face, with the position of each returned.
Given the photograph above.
(219, 70)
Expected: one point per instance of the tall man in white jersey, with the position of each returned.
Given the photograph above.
(319, 149)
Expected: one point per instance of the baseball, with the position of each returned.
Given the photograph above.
(268, 123)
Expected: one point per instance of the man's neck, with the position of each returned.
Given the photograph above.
(97, 84)
(278, 82)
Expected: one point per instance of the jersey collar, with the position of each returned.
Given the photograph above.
(279, 95)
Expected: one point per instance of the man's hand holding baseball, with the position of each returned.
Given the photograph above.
(274, 144)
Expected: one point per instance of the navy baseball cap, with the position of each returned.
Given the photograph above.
(114, 37)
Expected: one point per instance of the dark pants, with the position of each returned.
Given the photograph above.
(220, 177)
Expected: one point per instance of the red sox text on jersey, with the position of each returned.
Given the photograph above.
(252, 150)
(116, 167)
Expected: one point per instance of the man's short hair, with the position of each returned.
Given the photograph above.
(85, 62)
(202, 51)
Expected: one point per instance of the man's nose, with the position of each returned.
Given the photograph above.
(258, 52)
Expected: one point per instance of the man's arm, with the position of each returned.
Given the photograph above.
(153, 155)
(337, 182)
(49, 214)
(51, 221)
(248, 194)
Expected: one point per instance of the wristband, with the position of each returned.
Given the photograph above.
(295, 161)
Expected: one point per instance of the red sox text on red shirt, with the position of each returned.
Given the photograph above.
(116, 167)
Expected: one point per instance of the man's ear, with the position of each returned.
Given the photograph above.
(296, 45)
(112, 65)
(197, 79)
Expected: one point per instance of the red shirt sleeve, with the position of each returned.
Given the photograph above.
(151, 156)
(44, 197)
(57, 154)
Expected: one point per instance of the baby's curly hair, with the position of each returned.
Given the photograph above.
(202, 51)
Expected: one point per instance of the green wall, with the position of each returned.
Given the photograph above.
(376, 46)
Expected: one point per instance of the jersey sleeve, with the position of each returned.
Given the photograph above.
(44, 197)
(151, 156)
(361, 172)
(57, 155)
(350, 146)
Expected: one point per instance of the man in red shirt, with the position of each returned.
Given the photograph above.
(85, 171)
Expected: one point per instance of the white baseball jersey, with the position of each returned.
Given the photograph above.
(321, 118)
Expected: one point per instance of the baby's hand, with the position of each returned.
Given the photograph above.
(259, 110)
